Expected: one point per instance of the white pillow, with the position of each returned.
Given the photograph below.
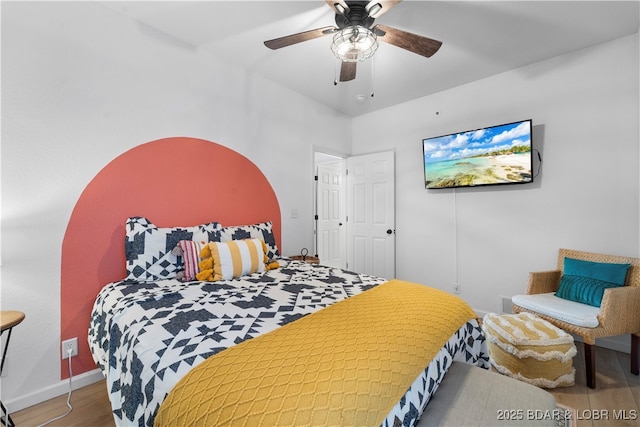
(148, 248)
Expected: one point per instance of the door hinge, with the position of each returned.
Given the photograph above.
(315, 217)
(315, 178)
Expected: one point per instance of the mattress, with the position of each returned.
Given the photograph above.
(146, 336)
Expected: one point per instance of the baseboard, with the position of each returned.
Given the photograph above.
(621, 343)
(55, 390)
(482, 313)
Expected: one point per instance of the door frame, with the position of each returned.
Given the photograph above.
(319, 155)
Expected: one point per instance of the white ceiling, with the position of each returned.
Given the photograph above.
(480, 39)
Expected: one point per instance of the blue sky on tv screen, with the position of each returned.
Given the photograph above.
(477, 142)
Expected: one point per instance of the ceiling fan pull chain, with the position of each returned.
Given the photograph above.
(335, 74)
(372, 65)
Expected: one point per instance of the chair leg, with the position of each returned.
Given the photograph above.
(635, 354)
(590, 364)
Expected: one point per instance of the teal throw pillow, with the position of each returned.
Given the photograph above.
(585, 281)
(609, 272)
(583, 289)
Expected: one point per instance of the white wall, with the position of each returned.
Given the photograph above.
(80, 86)
(584, 106)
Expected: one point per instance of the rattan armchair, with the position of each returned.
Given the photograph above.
(619, 311)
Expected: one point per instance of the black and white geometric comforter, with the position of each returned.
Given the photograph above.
(146, 336)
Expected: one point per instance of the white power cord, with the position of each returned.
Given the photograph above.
(69, 351)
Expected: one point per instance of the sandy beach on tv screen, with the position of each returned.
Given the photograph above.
(502, 168)
(510, 167)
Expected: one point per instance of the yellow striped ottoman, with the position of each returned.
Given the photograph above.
(528, 348)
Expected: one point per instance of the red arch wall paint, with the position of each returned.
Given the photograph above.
(173, 182)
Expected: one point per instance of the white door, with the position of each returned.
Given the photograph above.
(330, 229)
(371, 214)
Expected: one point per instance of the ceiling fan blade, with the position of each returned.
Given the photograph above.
(375, 8)
(338, 6)
(412, 42)
(299, 37)
(347, 71)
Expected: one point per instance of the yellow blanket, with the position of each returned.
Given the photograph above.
(347, 364)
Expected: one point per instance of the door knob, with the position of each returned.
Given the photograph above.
(389, 231)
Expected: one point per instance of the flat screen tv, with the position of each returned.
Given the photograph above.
(488, 156)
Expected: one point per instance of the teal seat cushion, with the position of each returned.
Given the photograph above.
(585, 281)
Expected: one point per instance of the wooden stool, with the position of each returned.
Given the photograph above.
(8, 319)
(306, 258)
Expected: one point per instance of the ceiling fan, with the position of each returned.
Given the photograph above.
(355, 38)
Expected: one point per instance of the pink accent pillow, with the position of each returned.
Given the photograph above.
(190, 258)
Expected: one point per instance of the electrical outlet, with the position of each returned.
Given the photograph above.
(456, 287)
(71, 344)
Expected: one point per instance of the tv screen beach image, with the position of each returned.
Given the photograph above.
(493, 155)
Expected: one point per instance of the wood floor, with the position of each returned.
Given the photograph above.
(91, 408)
(617, 396)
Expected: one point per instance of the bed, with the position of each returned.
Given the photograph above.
(153, 332)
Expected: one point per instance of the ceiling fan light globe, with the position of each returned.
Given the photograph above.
(354, 44)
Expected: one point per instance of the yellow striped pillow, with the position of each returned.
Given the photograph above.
(237, 258)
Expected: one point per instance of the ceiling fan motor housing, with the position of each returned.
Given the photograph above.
(356, 15)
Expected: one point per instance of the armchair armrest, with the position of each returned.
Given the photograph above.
(541, 282)
(620, 310)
